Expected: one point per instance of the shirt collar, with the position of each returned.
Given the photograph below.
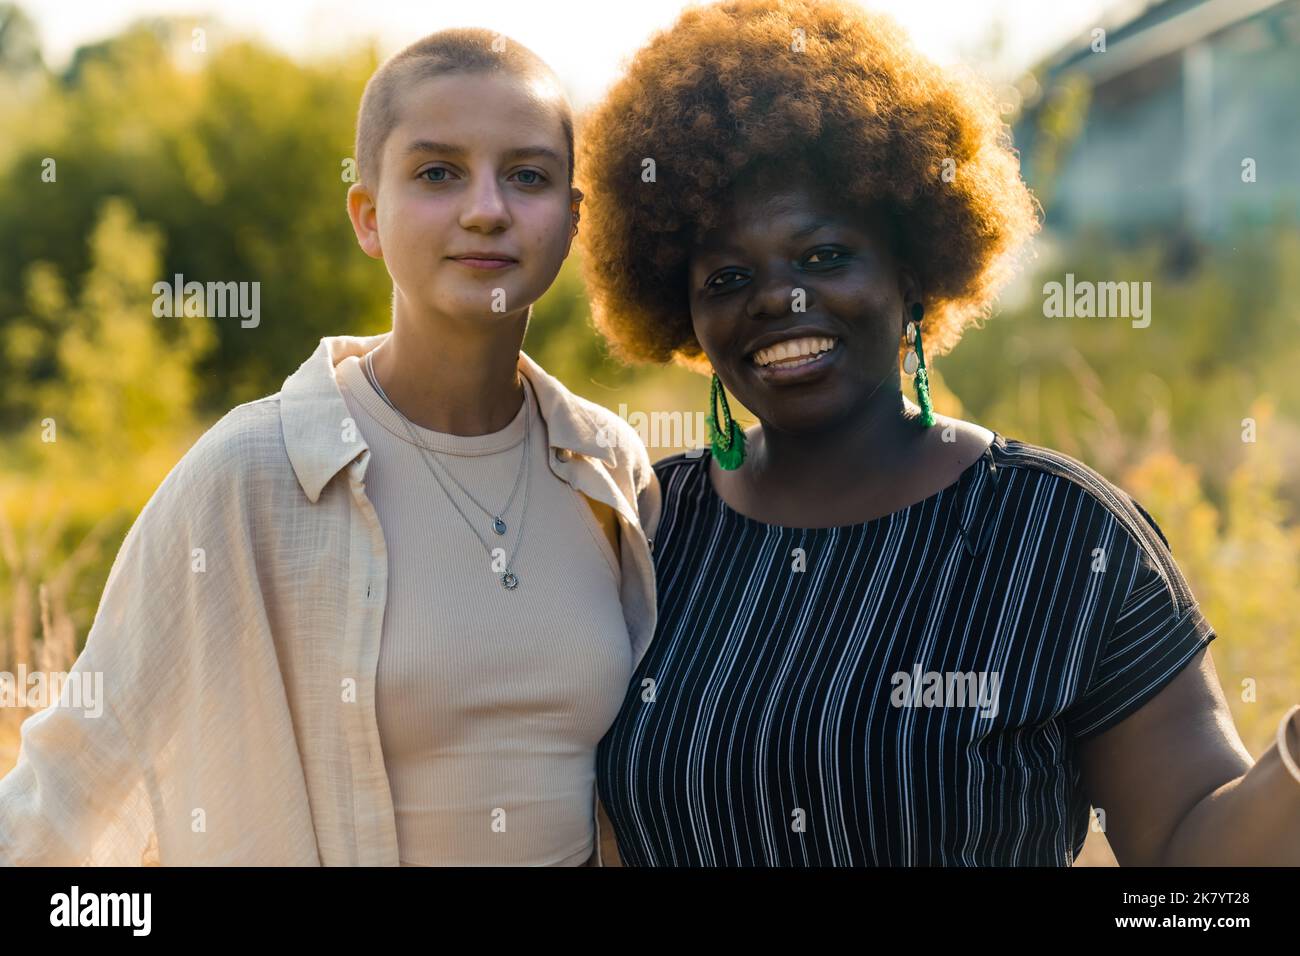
(312, 410)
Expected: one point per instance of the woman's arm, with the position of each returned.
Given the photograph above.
(78, 794)
(193, 759)
(1178, 787)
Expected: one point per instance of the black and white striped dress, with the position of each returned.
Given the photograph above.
(906, 691)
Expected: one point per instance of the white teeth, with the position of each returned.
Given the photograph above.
(793, 352)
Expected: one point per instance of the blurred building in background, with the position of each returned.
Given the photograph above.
(1189, 121)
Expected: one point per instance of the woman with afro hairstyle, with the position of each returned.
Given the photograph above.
(885, 636)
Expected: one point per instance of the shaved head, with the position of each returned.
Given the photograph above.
(468, 50)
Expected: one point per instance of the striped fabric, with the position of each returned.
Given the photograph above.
(907, 691)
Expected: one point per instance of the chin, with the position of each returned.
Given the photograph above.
(474, 303)
(800, 417)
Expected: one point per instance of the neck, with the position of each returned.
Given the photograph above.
(861, 451)
(457, 375)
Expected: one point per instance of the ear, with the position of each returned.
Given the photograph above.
(909, 289)
(365, 219)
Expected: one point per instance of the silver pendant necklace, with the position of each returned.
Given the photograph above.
(509, 579)
(498, 517)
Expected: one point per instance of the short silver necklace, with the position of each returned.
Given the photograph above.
(498, 520)
(509, 579)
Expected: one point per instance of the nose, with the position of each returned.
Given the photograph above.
(773, 295)
(485, 209)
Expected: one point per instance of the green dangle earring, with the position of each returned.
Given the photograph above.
(914, 364)
(728, 444)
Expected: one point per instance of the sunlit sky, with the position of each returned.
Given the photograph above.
(584, 40)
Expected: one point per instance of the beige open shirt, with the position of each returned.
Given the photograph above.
(238, 636)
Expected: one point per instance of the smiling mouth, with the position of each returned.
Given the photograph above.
(793, 353)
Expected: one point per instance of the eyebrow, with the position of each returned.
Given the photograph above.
(450, 149)
(725, 246)
(809, 229)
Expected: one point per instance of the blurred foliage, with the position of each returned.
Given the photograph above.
(1222, 333)
(1059, 123)
(235, 155)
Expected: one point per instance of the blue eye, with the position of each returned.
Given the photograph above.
(433, 169)
(538, 177)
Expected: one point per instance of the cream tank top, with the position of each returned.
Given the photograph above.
(490, 702)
